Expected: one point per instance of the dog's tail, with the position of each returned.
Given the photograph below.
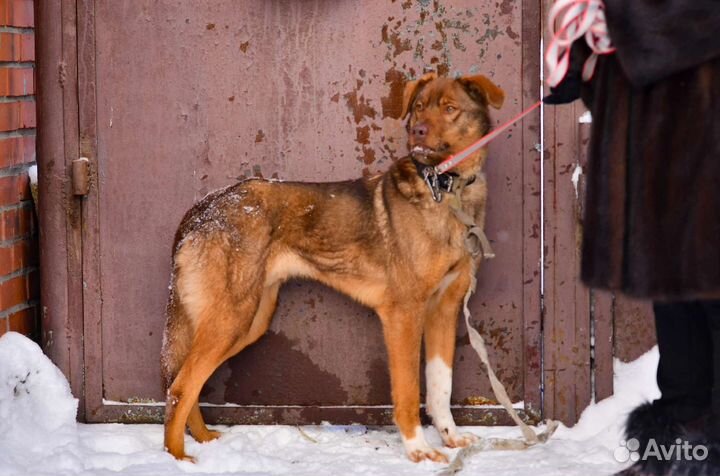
(176, 338)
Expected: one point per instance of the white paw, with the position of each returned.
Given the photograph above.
(430, 453)
(459, 440)
(418, 449)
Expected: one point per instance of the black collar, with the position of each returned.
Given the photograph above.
(438, 183)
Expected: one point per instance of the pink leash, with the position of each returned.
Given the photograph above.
(454, 160)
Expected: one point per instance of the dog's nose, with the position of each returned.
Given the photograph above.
(419, 131)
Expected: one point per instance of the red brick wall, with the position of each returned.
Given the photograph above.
(18, 223)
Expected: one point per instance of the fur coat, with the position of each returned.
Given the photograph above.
(652, 224)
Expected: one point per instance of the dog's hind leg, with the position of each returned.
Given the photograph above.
(260, 323)
(197, 426)
(219, 299)
(440, 329)
(177, 340)
(176, 346)
(402, 329)
(209, 350)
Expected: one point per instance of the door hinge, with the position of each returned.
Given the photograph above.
(81, 176)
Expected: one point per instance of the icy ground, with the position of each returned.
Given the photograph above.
(39, 436)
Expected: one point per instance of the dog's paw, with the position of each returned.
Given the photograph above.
(184, 457)
(179, 454)
(430, 453)
(418, 449)
(206, 436)
(460, 440)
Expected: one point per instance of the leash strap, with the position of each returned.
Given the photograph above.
(483, 444)
(476, 241)
(478, 343)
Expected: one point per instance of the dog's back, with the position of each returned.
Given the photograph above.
(258, 232)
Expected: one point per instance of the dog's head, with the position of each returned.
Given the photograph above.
(447, 115)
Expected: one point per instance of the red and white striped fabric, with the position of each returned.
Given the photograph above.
(579, 18)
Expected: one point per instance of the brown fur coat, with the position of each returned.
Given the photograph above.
(652, 224)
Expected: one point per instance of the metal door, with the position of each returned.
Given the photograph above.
(176, 98)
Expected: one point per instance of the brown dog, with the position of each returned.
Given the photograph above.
(384, 241)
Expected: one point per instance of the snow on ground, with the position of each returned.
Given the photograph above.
(39, 436)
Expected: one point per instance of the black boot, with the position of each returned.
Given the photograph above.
(685, 369)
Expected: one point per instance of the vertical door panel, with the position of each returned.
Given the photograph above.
(192, 96)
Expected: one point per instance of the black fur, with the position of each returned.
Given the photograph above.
(651, 421)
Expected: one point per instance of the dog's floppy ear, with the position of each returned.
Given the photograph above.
(411, 90)
(487, 89)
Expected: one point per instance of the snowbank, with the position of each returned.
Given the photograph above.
(634, 383)
(39, 436)
(37, 410)
(35, 397)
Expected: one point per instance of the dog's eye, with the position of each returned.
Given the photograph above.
(418, 106)
(450, 109)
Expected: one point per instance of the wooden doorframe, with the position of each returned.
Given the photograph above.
(60, 213)
(92, 292)
(532, 284)
(566, 302)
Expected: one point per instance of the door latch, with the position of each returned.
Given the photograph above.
(81, 176)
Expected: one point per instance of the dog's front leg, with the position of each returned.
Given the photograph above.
(403, 334)
(440, 326)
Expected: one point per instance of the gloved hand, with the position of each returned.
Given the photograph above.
(566, 92)
(569, 88)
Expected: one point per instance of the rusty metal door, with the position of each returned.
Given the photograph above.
(176, 98)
